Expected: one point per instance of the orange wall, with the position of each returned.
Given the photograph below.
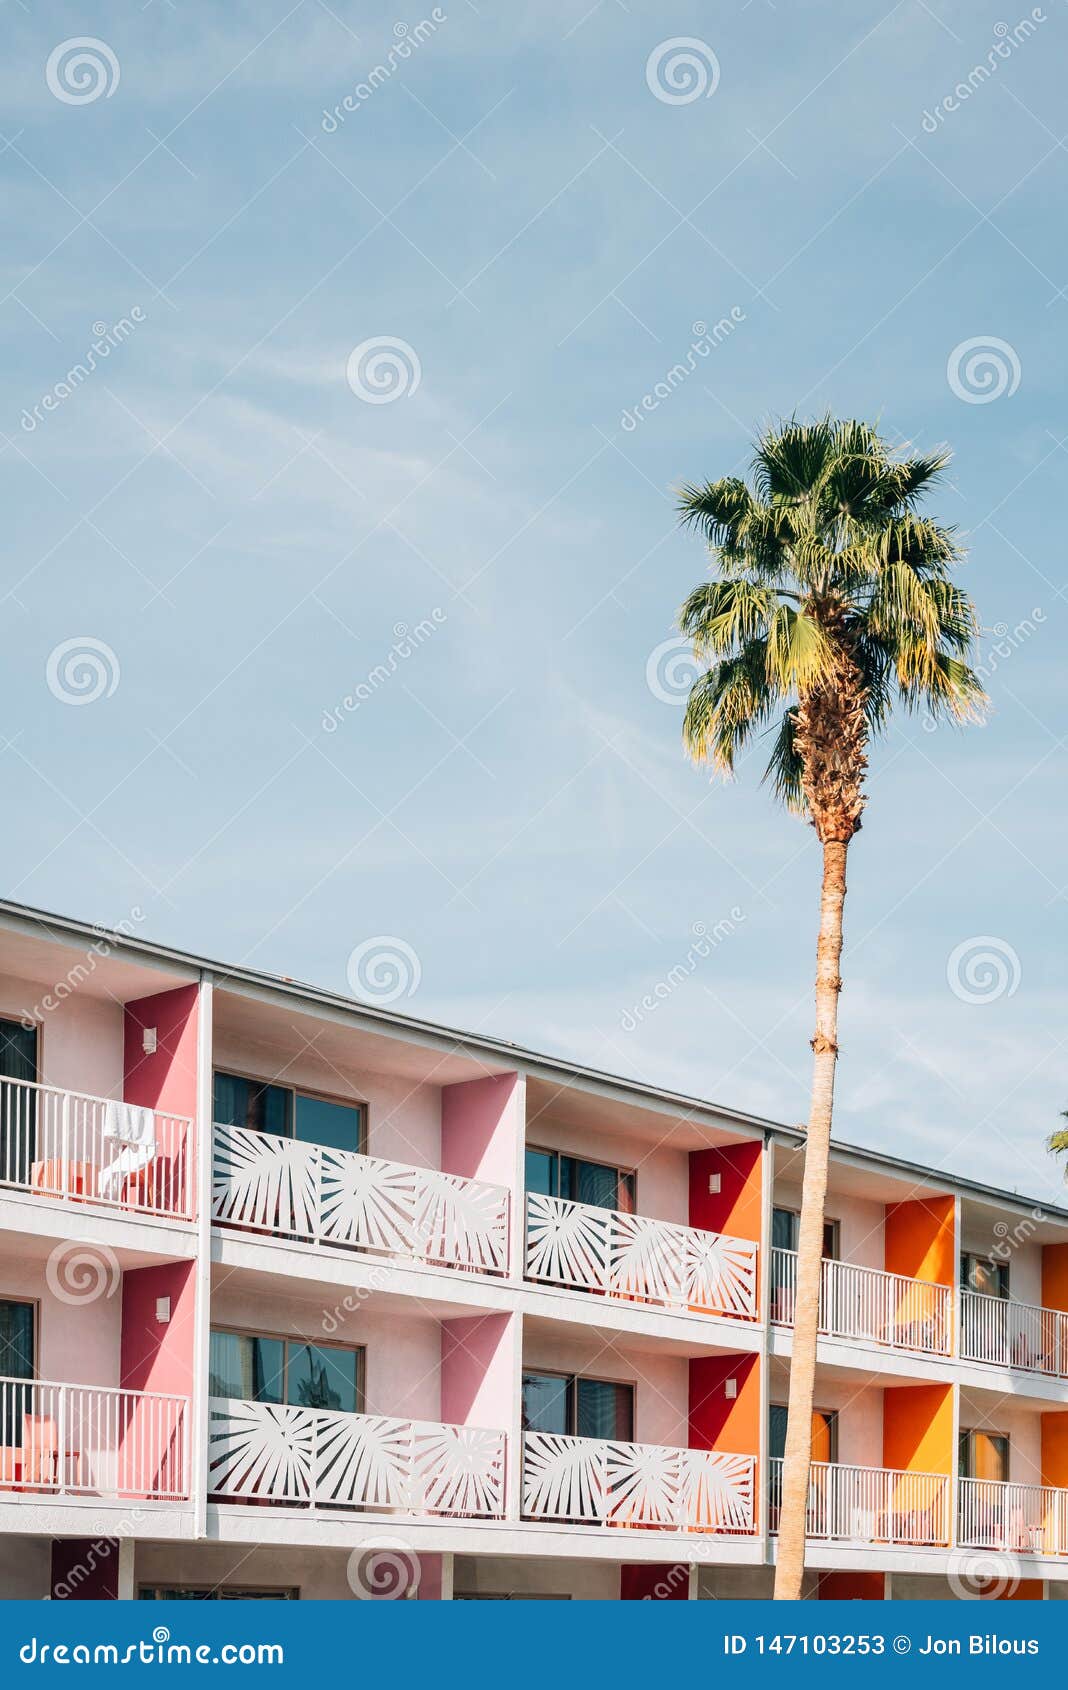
(919, 1239)
(718, 1421)
(1055, 1276)
(736, 1207)
(1055, 1449)
(918, 1428)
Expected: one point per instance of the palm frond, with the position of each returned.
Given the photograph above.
(785, 769)
(800, 656)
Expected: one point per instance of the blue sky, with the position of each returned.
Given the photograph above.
(513, 205)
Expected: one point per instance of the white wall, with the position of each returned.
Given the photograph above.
(79, 1043)
(519, 1576)
(662, 1383)
(25, 1568)
(402, 1372)
(404, 1120)
(860, 1223)
(663, 1174)
(1021, 1425)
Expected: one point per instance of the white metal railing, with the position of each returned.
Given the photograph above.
(602, 1482)
(860, 1505)
(266, 1183)
(92, 1440)
(867, 1303)
(95, 1150)
(639, 1259)
(312, 1458)
(1027, 1519)
(1022, 1335)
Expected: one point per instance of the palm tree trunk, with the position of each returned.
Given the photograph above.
(790, 1562)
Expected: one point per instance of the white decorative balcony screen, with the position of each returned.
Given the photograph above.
(314, 1458)
(1013, 1519)
(308, 1191)
(866, 1303)
(860, 1505)
(641, 1485)
(640, 1259)
(95, 1150)
(88, 1440)
(1009, 1334)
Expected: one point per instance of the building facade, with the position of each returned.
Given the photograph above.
(304, 1298)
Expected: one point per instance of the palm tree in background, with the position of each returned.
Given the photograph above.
(830, 601)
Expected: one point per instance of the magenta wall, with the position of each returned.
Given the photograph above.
(167, 1079)
(479, 1129)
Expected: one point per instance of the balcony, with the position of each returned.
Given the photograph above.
(869, 1505)
(312, 1458)
(81, 1440)
(641, 1260)
(95, 1150)
(593, 1481)
(1007, 1334)
(866, 1303)
(308, 1192)
(1013, 1519)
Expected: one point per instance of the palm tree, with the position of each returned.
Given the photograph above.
(830, 600)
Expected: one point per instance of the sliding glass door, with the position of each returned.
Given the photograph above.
(18, 1105)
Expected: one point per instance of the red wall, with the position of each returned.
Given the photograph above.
(155, 1356)
(166, 1080)
(645, 1583)
(731, 1424)
(735, 1208)
(851, 1587)
(85, 1569)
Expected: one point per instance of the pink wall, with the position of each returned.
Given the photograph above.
(79, 1041)
(480, 1128)
(478, 1367)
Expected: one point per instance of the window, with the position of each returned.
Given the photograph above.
(989, 1279)
(18, 1106)
(18, 1355)
(551, 1174)
(575, 1407)
(209, 1593)
(824, 1433)
(266, 1107)
(784, 1229)
(285, 1370)
(983, 1455)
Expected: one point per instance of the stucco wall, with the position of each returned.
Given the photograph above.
(663, 1174)
(662, 1394)
(79, 1043)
